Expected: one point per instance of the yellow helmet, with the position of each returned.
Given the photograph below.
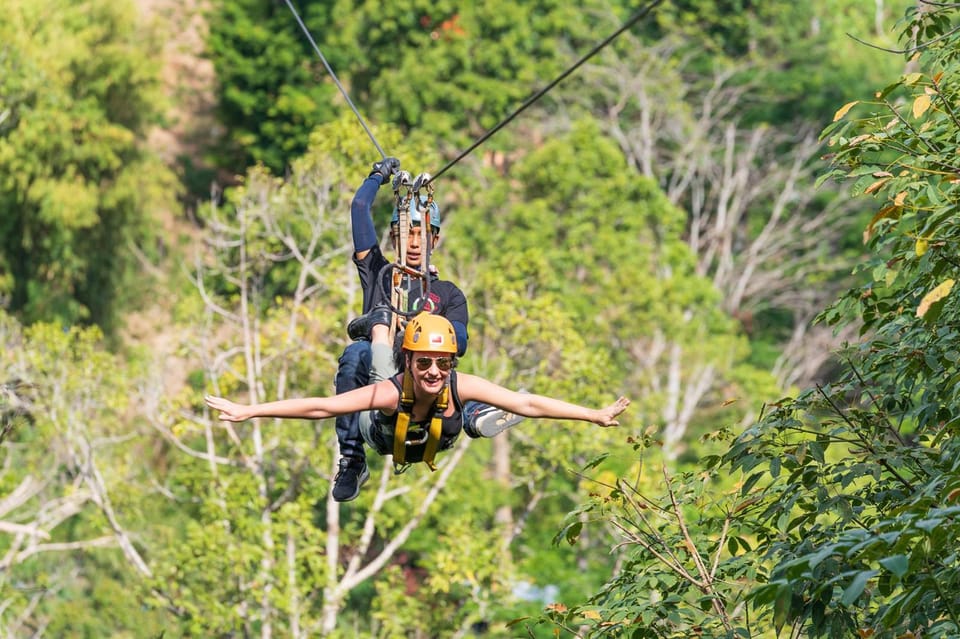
(429, 332)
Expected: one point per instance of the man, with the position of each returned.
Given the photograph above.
(444, 298)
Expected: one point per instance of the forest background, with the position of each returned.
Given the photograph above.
(667, 223)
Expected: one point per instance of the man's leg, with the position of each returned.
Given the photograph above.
(353, 372)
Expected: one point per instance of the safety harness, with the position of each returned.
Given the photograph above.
(406, 190)
(432, 434)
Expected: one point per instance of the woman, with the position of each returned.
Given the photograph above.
(428, 395)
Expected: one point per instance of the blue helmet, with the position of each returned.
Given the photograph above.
(415, 214)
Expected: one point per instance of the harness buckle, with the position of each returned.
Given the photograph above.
(422, 436)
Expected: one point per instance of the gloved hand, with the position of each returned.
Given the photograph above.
(385, 168)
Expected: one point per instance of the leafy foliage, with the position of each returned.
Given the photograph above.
(77, 191)
(575, 267)
(71, 473)
(788, 50)
(847, 501)
(449, 69)
(457, 69)
(681, 539)
(858, 478)
(586, 236)
(271, 87)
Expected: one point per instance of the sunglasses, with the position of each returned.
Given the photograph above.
(424, 363)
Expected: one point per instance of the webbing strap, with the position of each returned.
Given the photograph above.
(406, 193)
(403, 424)
(398, 294)
(403, 420)
(436, 428)
(433, 441)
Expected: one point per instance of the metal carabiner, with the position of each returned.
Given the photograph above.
(422, 181)
(416, 442)
(401, 179)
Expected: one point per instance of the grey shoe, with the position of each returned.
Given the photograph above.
(492, 421)
(360, 327)
(351, 476)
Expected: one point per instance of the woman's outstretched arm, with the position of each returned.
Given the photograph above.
(530, 405)
(382, 396)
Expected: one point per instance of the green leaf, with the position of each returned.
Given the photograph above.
(781, 606)
(929, 524)
(897, 564)
(596, 461)
(572, 533)
(888, 89)
(732, 546)
(820, 555)
(911, 79)
(852, 592)
(751, 481)
(775, 467)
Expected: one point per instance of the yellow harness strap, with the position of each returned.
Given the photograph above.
(403, 423)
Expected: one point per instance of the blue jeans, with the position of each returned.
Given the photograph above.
(353, 372)
(471, 410)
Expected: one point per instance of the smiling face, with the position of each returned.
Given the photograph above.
(430, 370)
(429, 351)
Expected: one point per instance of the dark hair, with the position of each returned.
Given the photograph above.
(399, 356)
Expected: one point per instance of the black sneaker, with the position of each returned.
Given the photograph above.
(351, 476)
(359, 328)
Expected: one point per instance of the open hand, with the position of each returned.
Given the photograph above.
(608, 416)
(229, 411)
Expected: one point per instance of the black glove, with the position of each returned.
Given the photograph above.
(385, 168)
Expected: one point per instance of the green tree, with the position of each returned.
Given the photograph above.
(859, 478)
(778, 249)
(578, 269)
(847, 504)
(458, 68)
(271, 90)
(581, 230)
(453, 70)
(78, 193)
(686, 560)
(72, 474)
(798, 58)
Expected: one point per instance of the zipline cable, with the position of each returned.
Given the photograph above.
(642, 13)
(335, 79)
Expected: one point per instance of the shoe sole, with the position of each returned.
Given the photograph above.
(361, 480)
(494, 423)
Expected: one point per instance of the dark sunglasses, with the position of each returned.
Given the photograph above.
(424, 363)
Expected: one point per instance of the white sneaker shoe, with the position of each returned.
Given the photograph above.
(494, 421)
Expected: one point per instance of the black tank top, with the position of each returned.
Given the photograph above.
(450, 428)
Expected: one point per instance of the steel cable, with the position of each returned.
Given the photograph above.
(335, 79)
(643, 12)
